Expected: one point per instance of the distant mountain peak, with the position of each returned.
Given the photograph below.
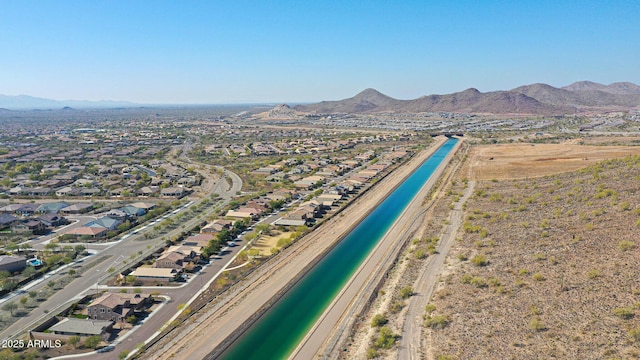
(471, 91)
(281, 111)
(371, 94)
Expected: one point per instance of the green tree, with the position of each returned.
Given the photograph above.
(264, 228)
(10, 307)
(9, 285)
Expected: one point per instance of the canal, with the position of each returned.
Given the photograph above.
(277, 333)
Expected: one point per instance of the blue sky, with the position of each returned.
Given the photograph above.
(306, 51)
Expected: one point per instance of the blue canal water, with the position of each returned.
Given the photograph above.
(279, 331)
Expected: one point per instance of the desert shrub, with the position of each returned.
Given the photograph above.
(420, 254)
(539, 256)
(396, 307)
(538, 277)
(379, 320)
(372, 353)
(406, 292)
(479, 260)
(593, 273)
(437, 321)
(626, 245)
(463, 257)
(535, 310)
(537, 325)
(478, 282)
(443, 357)
(623, 312)
(386, 338)
(634, 334)
(429, 308)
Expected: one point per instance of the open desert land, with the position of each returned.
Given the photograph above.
(544, 264)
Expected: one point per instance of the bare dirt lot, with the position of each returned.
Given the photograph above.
(509, 161)
(266, 243)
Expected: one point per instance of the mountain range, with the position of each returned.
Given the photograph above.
(535, 99)
(19, 102)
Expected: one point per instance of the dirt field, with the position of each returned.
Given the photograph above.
(520, 161)
(266, 243)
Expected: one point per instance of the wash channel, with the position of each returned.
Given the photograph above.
(277, 333)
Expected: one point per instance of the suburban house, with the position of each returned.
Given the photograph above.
(199, 240)
(150, 275)
(29, 225)
(12, 263)
(144, 205)
(105, 222)
(82, 327)
(7, 220)
(79, 208)
(191, 252)
(217, 225)
(133, 211)
(245, 213)
(52, 208)
(176, 192)
(176, 259)
(51, 220)
(116, 307)
(117, 214)
(92, 232)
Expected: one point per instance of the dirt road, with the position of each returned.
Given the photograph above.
(410, 344)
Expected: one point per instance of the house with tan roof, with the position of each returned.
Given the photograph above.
(116, 307)
(154, 275)
(199, 240)
(94, 232)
